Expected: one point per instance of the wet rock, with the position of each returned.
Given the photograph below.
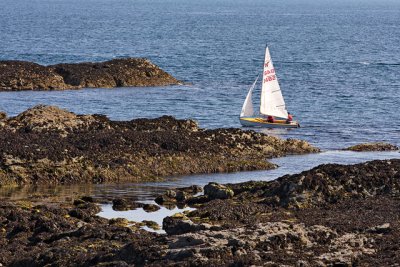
(85, 211)
(179, 224)
(119, 222)
(150, 207)
(376, 146)
(192, 190)
(179, 195)
(217, 191)
(121, 204)
(151, 224)
(21, 75)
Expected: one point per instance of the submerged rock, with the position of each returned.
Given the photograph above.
(378, 146)
(21, 75)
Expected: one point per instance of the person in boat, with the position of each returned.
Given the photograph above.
(289, 118)
(270, 119)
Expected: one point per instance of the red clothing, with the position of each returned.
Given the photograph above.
(290, 117)
(271, 119)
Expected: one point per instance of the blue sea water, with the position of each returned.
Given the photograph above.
(338, 62)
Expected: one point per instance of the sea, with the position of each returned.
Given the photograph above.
(338, 64)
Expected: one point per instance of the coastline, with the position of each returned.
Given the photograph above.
(318, 217)
(48, 145)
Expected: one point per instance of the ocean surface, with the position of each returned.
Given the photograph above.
(338, 63)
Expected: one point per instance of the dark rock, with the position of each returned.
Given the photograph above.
(176, 225)
(3, 116)
(48, 145)
(121, 204)
(380, 229)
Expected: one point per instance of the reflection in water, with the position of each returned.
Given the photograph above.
(139, 215)
(146, 192)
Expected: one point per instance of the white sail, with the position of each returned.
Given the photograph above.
(247, 109)
(272, 102)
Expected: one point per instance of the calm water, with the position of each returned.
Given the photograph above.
(338, 63)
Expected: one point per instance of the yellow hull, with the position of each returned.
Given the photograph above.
(261, 122)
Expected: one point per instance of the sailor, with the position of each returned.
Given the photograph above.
(270, 119)
(289, 118)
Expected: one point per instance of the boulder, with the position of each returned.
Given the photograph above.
(217, 191)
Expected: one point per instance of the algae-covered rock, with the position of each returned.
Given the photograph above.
(375, 146)
(22, 75)
(151, 224)
(48, 145)
(217, 191)
(150, 207)
(122, 204)
(119, 222)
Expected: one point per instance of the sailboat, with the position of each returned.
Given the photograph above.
(271, 104)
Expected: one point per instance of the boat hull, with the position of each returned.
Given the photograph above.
(260, 122)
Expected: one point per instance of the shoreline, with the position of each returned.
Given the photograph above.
(296, 219)
(48, 145)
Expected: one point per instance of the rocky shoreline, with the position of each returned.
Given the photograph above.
(332, 215)
(48, 145)
(23, 75)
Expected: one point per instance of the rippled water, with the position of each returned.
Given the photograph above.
(338, 63)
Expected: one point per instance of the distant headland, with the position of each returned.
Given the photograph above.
(23, 75)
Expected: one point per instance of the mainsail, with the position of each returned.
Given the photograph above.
(247, 109)
(272, 102)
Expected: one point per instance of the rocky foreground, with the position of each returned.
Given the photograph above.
(48, 145)
(332, 215)
(22, 75)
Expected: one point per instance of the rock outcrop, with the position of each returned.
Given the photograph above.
(246, 229)
(332, 215)
(375, 146)
(21, 75)
(49, 145)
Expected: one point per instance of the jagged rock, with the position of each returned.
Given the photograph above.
(378, 146)
(217, 191)
(21, 75)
